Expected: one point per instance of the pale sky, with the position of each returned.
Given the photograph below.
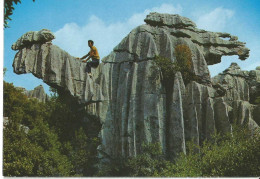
(107, 22)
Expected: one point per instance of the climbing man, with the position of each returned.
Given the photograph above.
(93, 54)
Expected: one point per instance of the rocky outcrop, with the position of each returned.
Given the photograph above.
(239, 84)
(32, 37)
(21, 127)
(127, 93)
(241, 89)
(38, 93)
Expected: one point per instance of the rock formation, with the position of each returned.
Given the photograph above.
(128, 95)
(32, 37)
(38, 93)
(241, 90)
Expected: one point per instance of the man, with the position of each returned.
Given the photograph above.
(93, 54)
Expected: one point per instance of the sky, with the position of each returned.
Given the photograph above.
(106, 22)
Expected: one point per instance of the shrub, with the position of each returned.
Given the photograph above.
(257, 100)
(182, 63)
(228, 155)
(166, 66)
(225, 155)
(35, 152)
(149, 163)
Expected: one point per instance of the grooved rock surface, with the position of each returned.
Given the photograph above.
(32, 37)
(128, 94)
(239, 84)
(38, 93)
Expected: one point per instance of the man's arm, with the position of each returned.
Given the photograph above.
(90, 55)
(87, 59)
(85, 56)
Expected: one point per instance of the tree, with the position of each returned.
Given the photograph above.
(77, 131)
(150, 163)
(226, 155)
(9, 10)
(31, 148)
(5, 69)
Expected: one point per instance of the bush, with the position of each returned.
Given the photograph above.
(149, 163)
(61, 140)
(225, 155)
(33, 152)
(182, 63)
(229, 155)
(257, 100)
(166, 66)
(77, 131)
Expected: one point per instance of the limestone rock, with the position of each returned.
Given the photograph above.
(32, 37)
(156, 19)
(176, 135)
(128, 95)
(211, 44)
(38, 93)
(21, 127)
(239, 84)
(221, 110)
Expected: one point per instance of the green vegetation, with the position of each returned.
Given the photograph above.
(9, 10)
(58, 138)
(257, 100)
(149, 163)
(228, 155)
(35, 152)
(182, 63)
(58, 142)
(5, 69)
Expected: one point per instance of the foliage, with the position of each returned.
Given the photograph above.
(84, 154)
(149, 163)
(5, 69)
(35, 152)
(229, 155)
(182, 63)
(9, 10)
(61, 141)
(166, 67)
(234, 154)
(225, 155)
(257, 100)
(77, 131)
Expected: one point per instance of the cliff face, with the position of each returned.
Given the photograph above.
(129, 97)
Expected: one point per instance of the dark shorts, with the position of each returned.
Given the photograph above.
(94, 63)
